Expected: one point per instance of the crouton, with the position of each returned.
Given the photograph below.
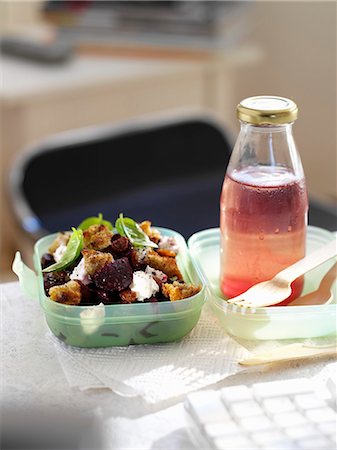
(166, 264)
(137, 258)
(68, 293)
(61, 239)
(94, 260)
(178, 291)
(97, 237)
(166, 252)
(152, 233)
(128, 296)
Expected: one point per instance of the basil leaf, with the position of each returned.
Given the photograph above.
(86, 223)
(71, 253)
(129, 228)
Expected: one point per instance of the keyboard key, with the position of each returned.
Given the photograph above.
(282, 388)
(332, 388)
(301, 431)
(282, 445)
(207, 407)
(246, 409)
(308, 401)
(218, 429)
(315, 443)
(267, 437)
(329, 428)
(236, 394)
(257, 423)
(321, 414)
(278, 405)
(233, 442)
(289, 419)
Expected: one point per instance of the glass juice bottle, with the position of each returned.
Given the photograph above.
(264, 203)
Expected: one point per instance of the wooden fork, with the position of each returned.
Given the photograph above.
(277, 289)
(323, 295)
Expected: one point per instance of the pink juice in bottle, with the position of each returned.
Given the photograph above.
(263, 226)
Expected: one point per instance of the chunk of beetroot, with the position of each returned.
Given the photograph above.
(51, 279)
(87, 294)
(106, 297)
(115, 276)
(120, 246)
(47, 260)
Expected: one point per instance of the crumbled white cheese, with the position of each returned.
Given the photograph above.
(157, 273)
(92, 318)
(79, 273)
(140, 254)
(143, 285)
(59, 252)
(168, 243)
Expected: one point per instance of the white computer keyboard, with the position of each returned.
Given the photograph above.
(285, 414)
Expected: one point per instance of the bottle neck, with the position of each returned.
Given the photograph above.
(266, 145)
(286, 128)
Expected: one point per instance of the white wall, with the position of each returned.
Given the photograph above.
(19, 15)
(299, 41)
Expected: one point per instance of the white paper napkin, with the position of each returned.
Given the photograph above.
(156, 372)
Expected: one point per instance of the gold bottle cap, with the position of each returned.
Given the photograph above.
(267, 110)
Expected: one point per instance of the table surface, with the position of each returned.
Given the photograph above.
(31, 371)
(22, 79)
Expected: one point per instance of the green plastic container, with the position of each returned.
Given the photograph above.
(116, 325)
(284, 322)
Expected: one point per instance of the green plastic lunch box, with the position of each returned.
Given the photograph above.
(116, 325)
(150, 323)
(273, 322)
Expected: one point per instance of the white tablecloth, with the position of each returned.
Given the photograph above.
(31, 370)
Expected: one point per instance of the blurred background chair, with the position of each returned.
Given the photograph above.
(169, 171)
(322, 214)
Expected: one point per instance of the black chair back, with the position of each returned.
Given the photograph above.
(167, 171)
